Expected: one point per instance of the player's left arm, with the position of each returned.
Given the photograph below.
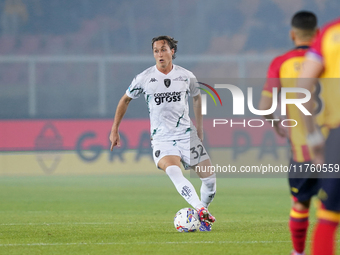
(312, 69)
(308, 78)
(197, 105)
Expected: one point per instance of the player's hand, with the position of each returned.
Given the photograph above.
(316, 142)
(200, 134)
(318, 151)
(280, 130)
(115, 139)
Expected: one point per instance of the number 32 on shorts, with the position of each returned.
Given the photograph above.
(198, 151)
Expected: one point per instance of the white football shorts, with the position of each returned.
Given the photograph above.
(191, 151)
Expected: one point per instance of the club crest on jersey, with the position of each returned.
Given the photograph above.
(167, 83)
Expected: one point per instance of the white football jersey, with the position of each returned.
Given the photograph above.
(166, 96)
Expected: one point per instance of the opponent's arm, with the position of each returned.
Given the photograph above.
(307, 80)
(197, 105)
(120, 111)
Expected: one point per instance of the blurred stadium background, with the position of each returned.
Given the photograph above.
(65, 64)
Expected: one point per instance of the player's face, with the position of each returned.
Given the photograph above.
(162, 54)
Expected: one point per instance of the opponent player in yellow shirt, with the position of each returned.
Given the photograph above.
(283, 72)
(323, 62)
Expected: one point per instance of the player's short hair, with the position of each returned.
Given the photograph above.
(170, 40)
(304, 23)
(304, 20)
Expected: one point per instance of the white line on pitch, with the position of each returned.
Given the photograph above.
(141, 243)
(147, 243)
(69, 223)
(106, 223)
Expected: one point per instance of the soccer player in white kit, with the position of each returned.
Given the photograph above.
(174, 138)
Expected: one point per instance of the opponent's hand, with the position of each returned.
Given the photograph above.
(316, 142)
(318, 151)
(281, 131)
(115, 139)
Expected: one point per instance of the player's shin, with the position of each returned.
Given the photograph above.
(183, 186)
(325, 232)
(208, 189)
(298, 225)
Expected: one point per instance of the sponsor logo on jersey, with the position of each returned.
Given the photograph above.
(167, 83)
(167, 97)
(180, 78)
(153, 80)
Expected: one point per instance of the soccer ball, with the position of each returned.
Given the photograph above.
(187, 220)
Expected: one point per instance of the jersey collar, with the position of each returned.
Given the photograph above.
(303, 47)
(173, 68)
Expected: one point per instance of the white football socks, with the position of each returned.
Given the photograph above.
(183, 186)
(208, 189)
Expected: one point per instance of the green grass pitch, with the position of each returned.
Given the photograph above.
(134, 215)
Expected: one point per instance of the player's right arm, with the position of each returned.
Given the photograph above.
(134, 91)
(120, 111)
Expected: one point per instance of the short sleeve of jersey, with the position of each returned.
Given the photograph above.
(273, 77)
(136, 88)
(315, 51)
(193, 86)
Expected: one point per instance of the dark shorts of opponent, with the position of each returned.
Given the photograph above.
(303, 184)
